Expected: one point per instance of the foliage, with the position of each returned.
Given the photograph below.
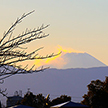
(37, 101)
(97, 96)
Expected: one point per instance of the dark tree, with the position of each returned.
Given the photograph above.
(29, 100)
(97, 96)
(37, 101)
(13, 52)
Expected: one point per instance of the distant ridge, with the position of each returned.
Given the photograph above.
(81, 60)
(56, 82)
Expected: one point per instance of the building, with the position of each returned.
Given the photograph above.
(12, 100)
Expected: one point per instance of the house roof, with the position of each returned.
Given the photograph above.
(69, 104)
(14, 97)
(59, 105)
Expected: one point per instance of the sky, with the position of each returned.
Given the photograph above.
(75, 25)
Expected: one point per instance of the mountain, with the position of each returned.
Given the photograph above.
(56, 82)
(81, 60)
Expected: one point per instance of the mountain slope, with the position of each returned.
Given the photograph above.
(72, 82)
(81, 60)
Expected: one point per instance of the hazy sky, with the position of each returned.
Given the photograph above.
(81, 25)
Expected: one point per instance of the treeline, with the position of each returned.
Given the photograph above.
(97, 96)
(39, 101)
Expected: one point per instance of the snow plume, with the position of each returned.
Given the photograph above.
(57, 61)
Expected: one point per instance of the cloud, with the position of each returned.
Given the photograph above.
(57, 61)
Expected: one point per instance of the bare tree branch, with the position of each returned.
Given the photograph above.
(12, 52)
(3, 92)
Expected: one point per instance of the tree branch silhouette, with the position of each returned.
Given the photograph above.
(12, 50)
